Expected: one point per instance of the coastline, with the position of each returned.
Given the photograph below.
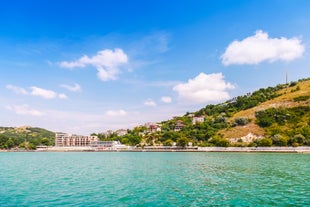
(303, 149)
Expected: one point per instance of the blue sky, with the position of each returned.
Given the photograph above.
(89, 66)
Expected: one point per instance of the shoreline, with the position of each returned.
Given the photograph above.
(304, 149)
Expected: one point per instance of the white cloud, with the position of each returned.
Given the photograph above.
(36, 91)
(62, 96)
(107, 62)
(47, 94)
(166, 99)
(116, 113)
(16, 89)
(74, 88)
(259, 48)
(204, 88)
(157, 42)
(25, 110)
(149, 102)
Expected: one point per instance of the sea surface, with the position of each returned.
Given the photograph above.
(154, 179)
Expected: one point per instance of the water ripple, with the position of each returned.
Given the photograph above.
(154, 179)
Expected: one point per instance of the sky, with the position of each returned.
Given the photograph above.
(85, 67)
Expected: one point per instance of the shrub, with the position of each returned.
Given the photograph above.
(293, 84)
(219, 142)
(301, 98)
(168, 142)
(252, 144)
(265, 121)
(264, 142)
(298, 139)
(241, 121)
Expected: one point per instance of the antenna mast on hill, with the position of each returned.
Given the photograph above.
(286, 78)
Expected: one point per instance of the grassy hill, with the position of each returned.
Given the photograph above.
(25, 137)
(290, 99)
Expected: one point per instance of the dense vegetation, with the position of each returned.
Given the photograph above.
(286, 126)
(25, 137)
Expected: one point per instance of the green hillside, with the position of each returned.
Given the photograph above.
(278, 116)
(285, 116)
(25, 137)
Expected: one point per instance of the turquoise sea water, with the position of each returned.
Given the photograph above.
(154, 179)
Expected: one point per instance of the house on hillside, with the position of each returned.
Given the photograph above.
(178, 125)
(198, 119)
(152, 127)
(191, 115)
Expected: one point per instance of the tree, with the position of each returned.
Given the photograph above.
(241, 121)
(223, 143)
(264, 142)
(282, 141)
(279, 140)
(219, 141)
(10, 143)
(298, 139)
(265, 121)
(3, 140)
(45, 141)
(32, 146)
(168, 142)
(182, 141)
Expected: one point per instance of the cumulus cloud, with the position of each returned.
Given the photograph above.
(16, 89)
(149, 102)
(260, 47)
(120, 112)
(74, 88)
(204, 88)
(107, 62)
(25, 110)
(166, 99)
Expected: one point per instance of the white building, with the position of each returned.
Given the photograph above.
(108, 145)
(178, 125)
(198, 119)
(72, 140)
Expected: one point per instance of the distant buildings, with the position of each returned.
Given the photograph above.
(108, 133)
(152, 127)
(69, 140)
(121, 132)
(198, 119)
(107, 145)
(178, 125)
(72, 140)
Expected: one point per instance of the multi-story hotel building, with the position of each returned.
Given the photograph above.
(72, 140)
